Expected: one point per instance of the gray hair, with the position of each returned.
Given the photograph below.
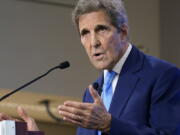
(114, 9)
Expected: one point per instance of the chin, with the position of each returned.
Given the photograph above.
(101, 66)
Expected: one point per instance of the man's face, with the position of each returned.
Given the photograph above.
(102, 41)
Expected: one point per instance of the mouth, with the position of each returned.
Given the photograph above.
(98, 56)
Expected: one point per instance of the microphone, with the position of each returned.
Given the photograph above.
(62, 65)
(97, 88)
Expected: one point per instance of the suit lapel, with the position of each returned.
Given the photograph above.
(127, 82)
(124, 89)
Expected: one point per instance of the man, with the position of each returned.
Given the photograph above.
(145, 92)
(140, 94)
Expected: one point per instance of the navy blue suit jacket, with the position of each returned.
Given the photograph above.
(146, 99)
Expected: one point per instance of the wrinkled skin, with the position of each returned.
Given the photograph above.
(87, 115)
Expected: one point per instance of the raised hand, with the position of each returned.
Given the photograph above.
(87, 115)
(31, 124)
(5, 117)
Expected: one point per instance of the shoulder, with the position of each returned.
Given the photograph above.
(158, 66)
(150, 63)
(152, 68)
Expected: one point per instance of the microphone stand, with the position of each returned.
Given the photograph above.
(61, 66)
(46, 102)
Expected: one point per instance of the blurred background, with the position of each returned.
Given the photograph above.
(36, 35)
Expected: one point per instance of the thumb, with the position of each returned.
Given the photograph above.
(95, 95)
(31, 124)
(22, 113)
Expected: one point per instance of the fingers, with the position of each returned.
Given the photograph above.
(21, 112)
(72, 116)
(88, 115)
(72, 121)
(71, 110)
(95, 95)
(5, 117)
(78, 105)
(31, 124)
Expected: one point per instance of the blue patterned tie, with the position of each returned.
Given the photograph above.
(107, 90)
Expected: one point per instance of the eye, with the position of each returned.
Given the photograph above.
(84, 32)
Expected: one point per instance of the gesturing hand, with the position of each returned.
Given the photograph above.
(87, 115)
(31, 124)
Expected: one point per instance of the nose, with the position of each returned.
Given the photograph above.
(95, 41)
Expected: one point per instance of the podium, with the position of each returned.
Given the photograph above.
(9, 127)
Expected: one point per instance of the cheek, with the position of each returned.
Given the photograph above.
(110, 44)
(113, 47)
(86, 47)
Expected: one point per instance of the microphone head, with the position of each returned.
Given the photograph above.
(64, 65)
(95, 86)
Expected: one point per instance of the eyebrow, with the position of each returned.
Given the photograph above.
(97, 28)
(101, 27)
(83, 31)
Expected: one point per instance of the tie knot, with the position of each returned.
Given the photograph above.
(109, 76)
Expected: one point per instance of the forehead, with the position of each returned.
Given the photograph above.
(92, 19)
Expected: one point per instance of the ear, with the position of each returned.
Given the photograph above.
(124, 32)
